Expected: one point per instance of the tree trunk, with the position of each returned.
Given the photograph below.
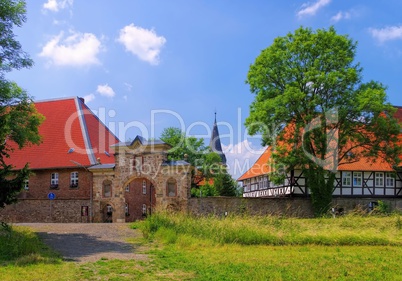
(321, 184)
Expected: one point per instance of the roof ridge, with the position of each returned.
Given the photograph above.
(84, 131)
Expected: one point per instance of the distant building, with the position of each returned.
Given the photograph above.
(362, 178)
(83, 173)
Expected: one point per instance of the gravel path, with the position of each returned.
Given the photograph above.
(81, 242)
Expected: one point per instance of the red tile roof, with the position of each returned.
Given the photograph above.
(261, 166)
(72, 135)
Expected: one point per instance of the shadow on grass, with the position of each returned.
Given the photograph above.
(74, 246)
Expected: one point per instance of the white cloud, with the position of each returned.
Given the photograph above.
(106, 91)
(89, 98)
(55, 6)
(310, 9)
(340, 16)
(128, 86)
(387, 33)
(78, 49)
(241, 156)
(143, 43)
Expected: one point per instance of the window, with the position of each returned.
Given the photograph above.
(171, 188)
(54, 180)
(107, 188)
(389, 179)
(26, 184)
(127, 188)
(346, 178)
(126, 210)
(379, 179)
(144, 209)
(357, 178)
(144, 187)
(74, 179)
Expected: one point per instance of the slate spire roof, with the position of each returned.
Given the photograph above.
(72, 135)
(215, 142)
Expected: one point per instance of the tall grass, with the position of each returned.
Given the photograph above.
(266, 230)
(22, 246)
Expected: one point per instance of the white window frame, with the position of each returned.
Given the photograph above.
(144, 187)
(144, 209)
(389, 179)
(74, 179)
(379, 179)
(357, 179)
(346, 178)
(26, 184)
(54, 180)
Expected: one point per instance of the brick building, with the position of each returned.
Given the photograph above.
(83, 173)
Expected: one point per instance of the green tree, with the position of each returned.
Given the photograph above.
(194, 151)
(19, 119)
(224, 184)
(312, 107)
(183, 146)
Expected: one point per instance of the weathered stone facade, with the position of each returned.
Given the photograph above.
(145, 162)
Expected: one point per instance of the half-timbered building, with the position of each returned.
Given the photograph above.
(363, 178)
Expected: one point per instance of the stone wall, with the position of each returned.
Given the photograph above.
(293, 207)
(290, 207)
(31, 210)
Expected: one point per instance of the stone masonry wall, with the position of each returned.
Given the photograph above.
(293, 207)
(31, 210)
(290, 207)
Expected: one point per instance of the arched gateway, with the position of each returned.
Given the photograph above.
(140, 181)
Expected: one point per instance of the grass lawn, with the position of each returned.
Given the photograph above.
(237, 248)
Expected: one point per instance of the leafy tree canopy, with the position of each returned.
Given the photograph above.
(19, 119)
(313, 108)
(207, 164)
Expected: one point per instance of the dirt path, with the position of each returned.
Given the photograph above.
(81, 242)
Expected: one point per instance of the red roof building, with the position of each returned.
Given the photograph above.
(72, 135)
(81, 172)
(363, 178)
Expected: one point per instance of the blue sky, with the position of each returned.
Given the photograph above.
(147, 65)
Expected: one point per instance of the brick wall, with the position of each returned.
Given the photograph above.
(39, 185)
(135, 198)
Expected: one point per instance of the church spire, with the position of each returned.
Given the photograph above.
(215, 143)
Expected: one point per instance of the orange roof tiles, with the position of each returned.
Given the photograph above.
(260, 167)
(72, 135)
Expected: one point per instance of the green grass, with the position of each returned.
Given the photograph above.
(347, 230)
(233, 248)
